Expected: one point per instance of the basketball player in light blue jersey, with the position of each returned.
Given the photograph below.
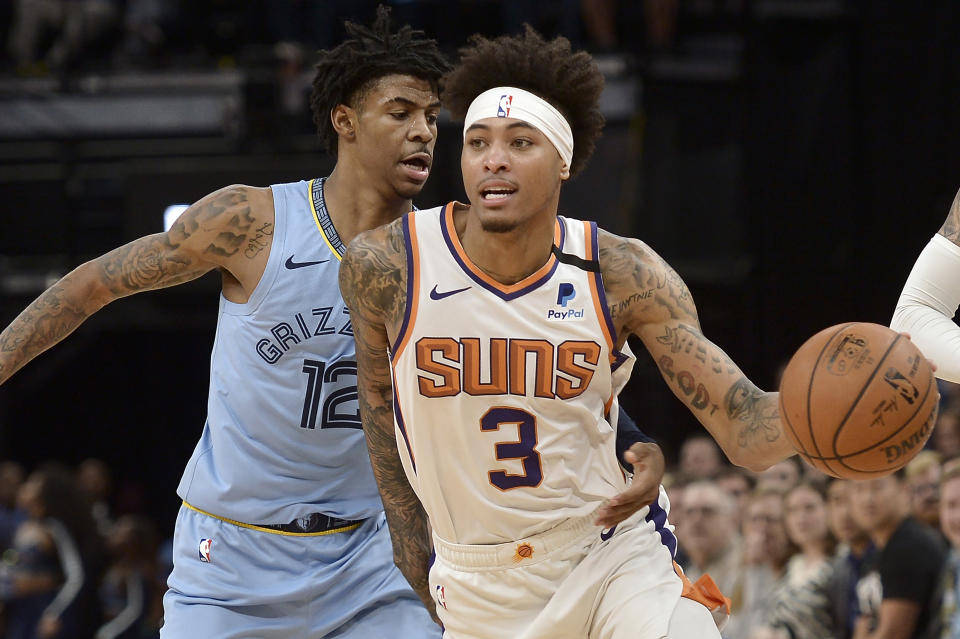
(282, 531)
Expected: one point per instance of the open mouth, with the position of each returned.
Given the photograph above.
(495, 193)
(417, 165)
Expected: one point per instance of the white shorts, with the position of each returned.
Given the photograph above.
(567, 583)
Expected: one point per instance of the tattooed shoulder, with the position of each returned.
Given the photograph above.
(951, 226)
(235, 221)
(373, 274)
(639, 285)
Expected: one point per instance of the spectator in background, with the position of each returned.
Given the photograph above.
(798, 607)
(854, 550)
(710, 535)
(69, 26)
(784, 475)
(950, 526)
(738, 483)
(49, 590)
(95, 481)
(128, 594)
(946, 436)
(899, 594)
(11, 476)
(766, 551)
(700, 457)
(923, 487)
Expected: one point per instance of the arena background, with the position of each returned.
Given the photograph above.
(789, 158)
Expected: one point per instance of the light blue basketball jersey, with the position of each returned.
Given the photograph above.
(283, 436)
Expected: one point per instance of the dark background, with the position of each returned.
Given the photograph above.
(789, 159)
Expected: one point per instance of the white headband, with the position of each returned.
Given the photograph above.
(510, 102)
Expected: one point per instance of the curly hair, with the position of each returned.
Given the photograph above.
(345, 72)
(570, 81)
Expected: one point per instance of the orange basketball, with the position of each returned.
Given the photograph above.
(858, 400)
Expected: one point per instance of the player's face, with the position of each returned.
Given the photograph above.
(511, 172)
(877, 502)
(842, 524)
(806, 517)
(950, 510)
(397, 130)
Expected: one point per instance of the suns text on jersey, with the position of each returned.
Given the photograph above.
(455, 365)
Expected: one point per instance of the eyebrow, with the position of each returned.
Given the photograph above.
(409, 102)
(513, 125)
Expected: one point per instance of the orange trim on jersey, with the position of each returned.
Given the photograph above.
(595, 294)
(705, 592)
(400, 422)
(413, 291)
(477, 272)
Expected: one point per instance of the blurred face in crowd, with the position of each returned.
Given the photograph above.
(783, 476)
(708, 523)
(950, 510)
(946, 436)
(11, 476)
(806, 518)
(764, 534)
(840, 515)
(700, 457)
(924, 495)
(30, 497)
(878, 503)
(738, 488)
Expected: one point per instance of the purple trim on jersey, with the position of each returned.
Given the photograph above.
(403, 429)
(493, 289)
(619, 359)
(408, 244)
(658, 516)
(595, 255)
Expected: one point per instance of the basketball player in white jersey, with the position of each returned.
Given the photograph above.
(931, 296)
(489, 342)
(282, 532)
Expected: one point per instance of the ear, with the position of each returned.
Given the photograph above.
(564, 172)
(344, 120)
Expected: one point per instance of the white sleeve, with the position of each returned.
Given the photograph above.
(928, 303)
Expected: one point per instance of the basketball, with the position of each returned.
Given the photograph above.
(858, 400)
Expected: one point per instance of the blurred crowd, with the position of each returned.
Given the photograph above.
(68, 567)
(803, 555)
(800, 555)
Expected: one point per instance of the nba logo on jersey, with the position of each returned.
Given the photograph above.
(205, 550)
(441, 597)
(503, 109)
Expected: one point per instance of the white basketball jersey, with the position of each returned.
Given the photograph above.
(502, 392)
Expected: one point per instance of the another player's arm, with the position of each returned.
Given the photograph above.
(931, 296)
(221, 230)
(373, 284)
(647, 298)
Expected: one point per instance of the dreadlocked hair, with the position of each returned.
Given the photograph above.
(569, 81)
(345, 72)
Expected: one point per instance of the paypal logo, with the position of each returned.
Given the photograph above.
(573, 313)
(565, 293)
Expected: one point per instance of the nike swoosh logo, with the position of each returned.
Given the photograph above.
(607, 534)
(434, 295)
(290, 264)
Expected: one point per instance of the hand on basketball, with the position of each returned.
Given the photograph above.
(648, 465)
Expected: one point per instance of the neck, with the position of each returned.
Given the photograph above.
(357, 202)
(882, 533)
(511, 256)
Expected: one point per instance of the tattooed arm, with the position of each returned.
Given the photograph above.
(931, 296)
(230, 229)
(373, 284)
(648, 299)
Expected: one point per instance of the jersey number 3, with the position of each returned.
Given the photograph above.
(525, 449)
(331, 413)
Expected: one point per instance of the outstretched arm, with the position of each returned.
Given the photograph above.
(931, 296)
(372, 282)
(647, 298)
(218, 231)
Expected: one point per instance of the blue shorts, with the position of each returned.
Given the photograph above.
(230, 581)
